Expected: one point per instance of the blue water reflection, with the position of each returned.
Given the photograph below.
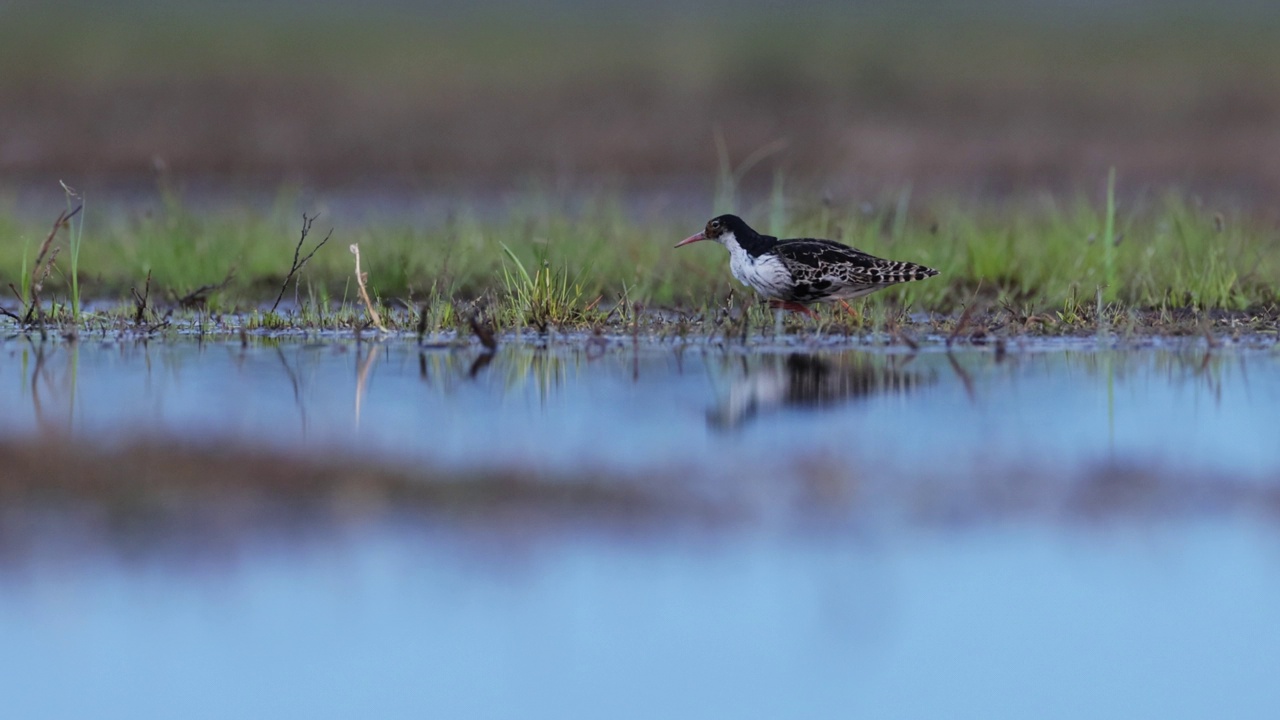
(619, 408)
(945, 564)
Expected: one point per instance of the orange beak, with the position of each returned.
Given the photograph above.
(692, 239)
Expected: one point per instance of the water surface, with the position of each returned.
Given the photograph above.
(1055, 533)
(629, 408)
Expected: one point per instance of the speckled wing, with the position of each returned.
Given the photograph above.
(828, 270)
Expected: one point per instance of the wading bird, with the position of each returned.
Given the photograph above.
(793, 274)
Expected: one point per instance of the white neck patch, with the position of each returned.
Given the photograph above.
(766, 274)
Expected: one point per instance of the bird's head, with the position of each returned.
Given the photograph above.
(722, 229)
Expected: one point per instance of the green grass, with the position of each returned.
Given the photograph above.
(537, 266)
(75, 240)
(546, 298)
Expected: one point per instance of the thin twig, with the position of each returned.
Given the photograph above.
(141, 300)
(64, 217)
(41, 269)
(38, 284)
(32, 301)
(298, 264)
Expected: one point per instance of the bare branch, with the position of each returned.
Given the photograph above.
(298, 264)
(141, 300)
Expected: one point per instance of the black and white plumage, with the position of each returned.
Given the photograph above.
(797, 272)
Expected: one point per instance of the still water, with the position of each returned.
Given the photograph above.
(1057, 532)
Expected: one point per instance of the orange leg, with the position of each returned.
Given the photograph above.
(851, 311)
(793, 306)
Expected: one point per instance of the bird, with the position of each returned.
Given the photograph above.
(795, 273)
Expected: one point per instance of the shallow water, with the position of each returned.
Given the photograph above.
(618, 408)
(1059, 532)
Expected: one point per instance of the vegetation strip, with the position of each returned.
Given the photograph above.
(1045, 267)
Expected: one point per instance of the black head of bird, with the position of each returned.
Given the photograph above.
(721, 229)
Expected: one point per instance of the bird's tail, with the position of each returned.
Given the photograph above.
(900, 271)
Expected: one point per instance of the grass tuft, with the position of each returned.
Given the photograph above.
(546, 298)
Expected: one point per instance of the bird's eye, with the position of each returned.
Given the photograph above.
(715, 224)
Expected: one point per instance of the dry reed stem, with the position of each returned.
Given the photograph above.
(40, 271)
(361, 278)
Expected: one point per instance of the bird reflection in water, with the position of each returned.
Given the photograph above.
(810, 382)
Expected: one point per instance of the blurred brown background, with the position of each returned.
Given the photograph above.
(988, 99)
